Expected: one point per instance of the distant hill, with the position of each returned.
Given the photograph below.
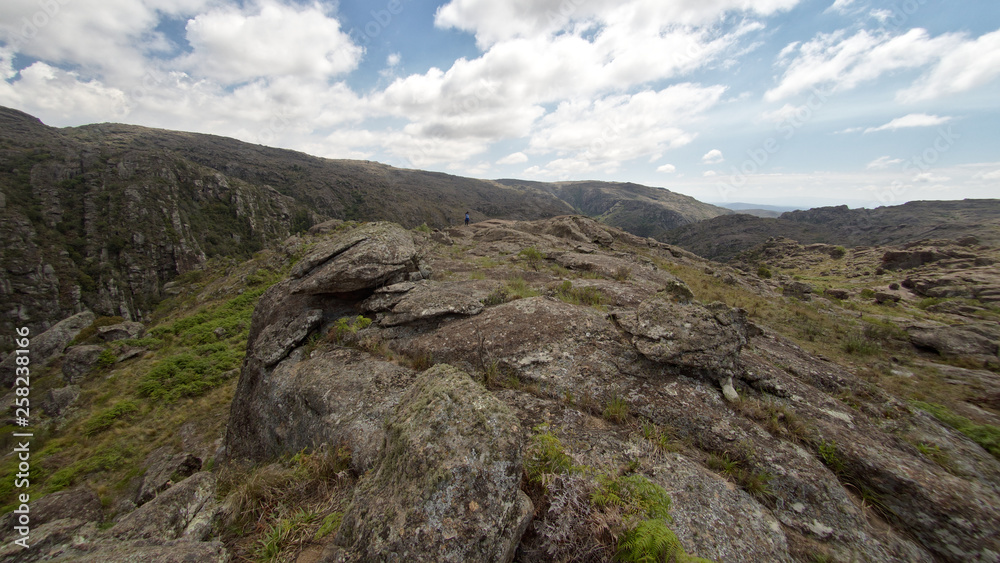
(722, 238)
(102, 216)
(640, 210)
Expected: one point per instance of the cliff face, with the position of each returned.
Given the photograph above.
(100, 217)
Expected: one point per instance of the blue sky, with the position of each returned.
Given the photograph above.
(799, 102)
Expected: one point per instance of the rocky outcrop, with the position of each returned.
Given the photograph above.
(704, 339)
(446, 485)
(121, 331)
(173, 528)
(48, 345)
(751, 436)
(956, 340)
(163, 470)
(283, 396)
(79, 360)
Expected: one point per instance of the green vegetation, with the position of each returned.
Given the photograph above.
(514, 288)
(285, 504)
(616, 410)
(344, 330)
(545, 455)
(532, 256)
(986, 435)
(589, 296)
(764, 272)
(103, 420)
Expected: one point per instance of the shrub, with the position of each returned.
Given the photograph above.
(532, 256)
(103, 420)
(107, 358)
(764, 272)
(838, 252)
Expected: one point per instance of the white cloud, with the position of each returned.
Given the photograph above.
(841, 6)
(514, 158)
(994, 175)
(493, 21)
(268, 39)
(602, 134)
(883, 162)
(966, 66)
(61, 96)
(881, 15)
(710, 173)
(930, 177)
(393, 59)
(713, 156)
(667, 169)
(911, 120)
(842, 63)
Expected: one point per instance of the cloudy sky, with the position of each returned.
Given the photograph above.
(768, 101)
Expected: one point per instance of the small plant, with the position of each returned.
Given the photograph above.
(764, 272)
(517, 288)
(650, 541)
(330, 525)
(589, 296)
(622, 273)
(838, 252)
(532, 256)
(423, 228)
(283, 534)
(861, 345)
(831, 457)
(546, 456)
(346, 327)
(498, 296)
(616, 410)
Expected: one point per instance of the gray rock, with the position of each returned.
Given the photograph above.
(48, 345)
(366, 257)
(79, 360)
(163, 470)
(952, 340)
(797, 289)
(428, 302)
(185, 511)
(446, 487)
(707, 338)
(56, 401)
(338, 396)
(841, 294)
(121, 331)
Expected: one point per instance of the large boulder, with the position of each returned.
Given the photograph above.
(706, 338)
(953, 340)
(121, 331)
(47, 345)
(186, 511)
(446, 487)
(79, 360)
(368, 256)
(163, 469)
(337, 397)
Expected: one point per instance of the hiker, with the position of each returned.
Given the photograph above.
(466, 218)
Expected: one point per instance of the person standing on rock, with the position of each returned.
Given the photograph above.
(466, 218)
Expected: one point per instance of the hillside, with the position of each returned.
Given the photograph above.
(101, 216)
(722, 238)
(634, 208)
(526, 390)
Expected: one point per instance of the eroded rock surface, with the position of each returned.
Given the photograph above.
(783, 455)
(446, 486)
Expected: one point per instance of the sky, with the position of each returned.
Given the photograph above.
(782, 102)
